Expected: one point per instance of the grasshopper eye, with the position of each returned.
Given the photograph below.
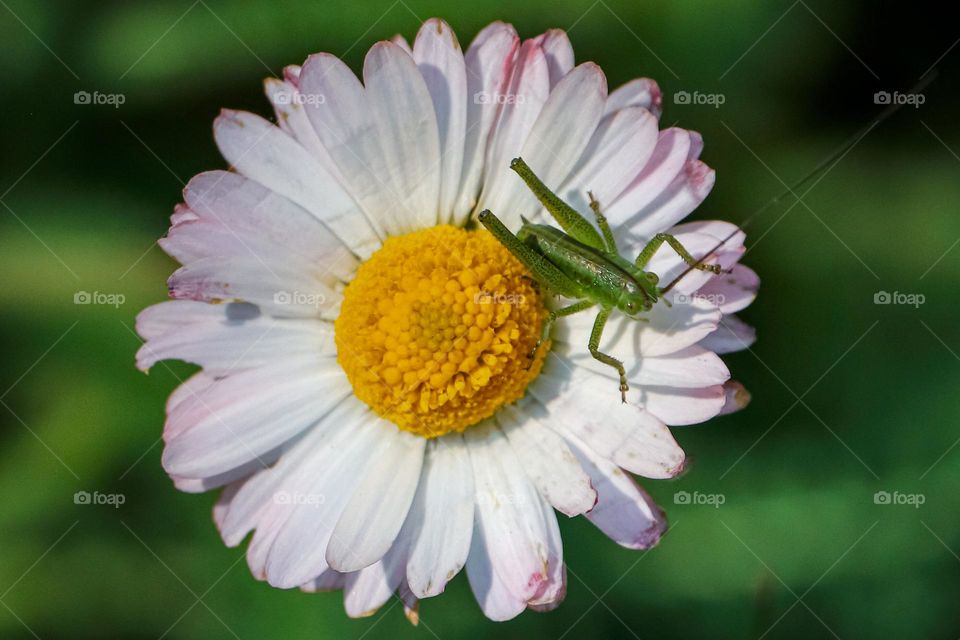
(652, 278)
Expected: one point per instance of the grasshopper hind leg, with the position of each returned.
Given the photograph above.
(594, 345)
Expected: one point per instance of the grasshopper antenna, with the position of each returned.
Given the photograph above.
(826, 163)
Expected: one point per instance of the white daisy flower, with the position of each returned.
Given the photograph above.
(366, 400)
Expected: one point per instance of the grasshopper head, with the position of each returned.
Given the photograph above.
(638, 296)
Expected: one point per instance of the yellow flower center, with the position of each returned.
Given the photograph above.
(435, 331)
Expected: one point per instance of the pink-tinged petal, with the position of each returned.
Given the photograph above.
(513, 531)
(496, 601)
(559, 53)
(315, 495)
(199, 485)
(441, 517)
(625, 434)
(440, 60)
(523, 98)
(618, 150)
(624, 511)
(377, 509)
(677, 201)
(248, 414)
(489, 61)
(547, 461)
(233, 216)
(264, 153)
(276, 287)
(733, 291)
(557, 139)
(667, 161)
(403, 112)
(641, 92)
(732, 335)
(706, 247)
(226, 338)
(552, 590)
(291, 74)
(677, 407)
(737, 397)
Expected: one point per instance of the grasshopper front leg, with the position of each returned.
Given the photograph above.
(594, 345)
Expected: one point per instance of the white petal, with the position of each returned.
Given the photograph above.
(624, 512)
(732, 291)
(260, 493)
(376, 510)
(340, 112)
(489, 61)
(369, 589)
(513, 529)
(288, 104)
(495, 599)
(547, 461)
(554, 588)
(688, 368)
(627, 435)
(662, 331)
(677, 407)
(226, 338)
(264, 153)
(329, 580)
(248, 414)
(403, 112)
(315, 495)
(553, 145)
(441, 517)
(440, 60)
(732, 335)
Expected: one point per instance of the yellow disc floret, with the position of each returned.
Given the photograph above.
(435, 331)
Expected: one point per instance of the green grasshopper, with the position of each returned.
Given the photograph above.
(581, 264)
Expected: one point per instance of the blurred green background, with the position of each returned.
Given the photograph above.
(850, 398)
